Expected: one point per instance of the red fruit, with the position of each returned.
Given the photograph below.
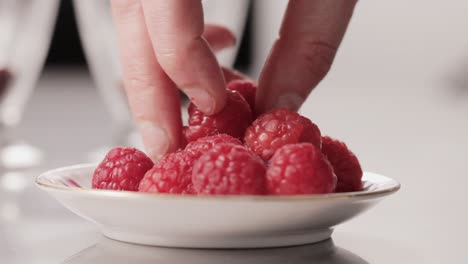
(232, 120)
(228, 169)
(299, 169)
(278, 128)
(202, 145)
(192, 133)
(247, 89)
(345, 164)
(122, 169)
(171, 174)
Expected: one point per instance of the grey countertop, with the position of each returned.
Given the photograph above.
(413, 132)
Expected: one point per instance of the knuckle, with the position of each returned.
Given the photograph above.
(177, 61)
(318, 57)
(176, 46)
(142, 119)
(139, 81)
(167, 45)
(126, 8)
(139, 84)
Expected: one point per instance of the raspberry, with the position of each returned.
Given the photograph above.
(229, 169)
(192, 133)
(247, 89)
(299, 169)
(277, 128)
(232, 120)
(202, 145)
(122, 169)
(171, 174)
(345, 164)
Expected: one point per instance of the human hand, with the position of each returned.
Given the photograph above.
(164, 46)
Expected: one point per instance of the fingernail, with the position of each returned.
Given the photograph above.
(202, 99)
(291, 101)
(155, 139)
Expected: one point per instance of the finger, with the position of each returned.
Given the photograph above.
(219, 37)
(309, 38)
(152, 96)
(175, 28)
(232, 75)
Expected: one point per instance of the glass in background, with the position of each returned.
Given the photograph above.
(98, 36)
(26, 27)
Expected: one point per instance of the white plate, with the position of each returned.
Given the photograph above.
(210, 221)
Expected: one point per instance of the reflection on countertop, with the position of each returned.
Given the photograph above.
(110, 251)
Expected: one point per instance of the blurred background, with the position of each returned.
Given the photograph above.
(397, 94)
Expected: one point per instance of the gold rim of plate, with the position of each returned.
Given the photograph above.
(110, 193)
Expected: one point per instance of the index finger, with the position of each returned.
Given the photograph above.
(175, 28)
(152, 96)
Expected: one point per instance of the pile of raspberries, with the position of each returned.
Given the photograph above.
(230, 153)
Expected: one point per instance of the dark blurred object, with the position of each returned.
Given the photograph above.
(5, 76)
(65, 48)
(244, 56)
